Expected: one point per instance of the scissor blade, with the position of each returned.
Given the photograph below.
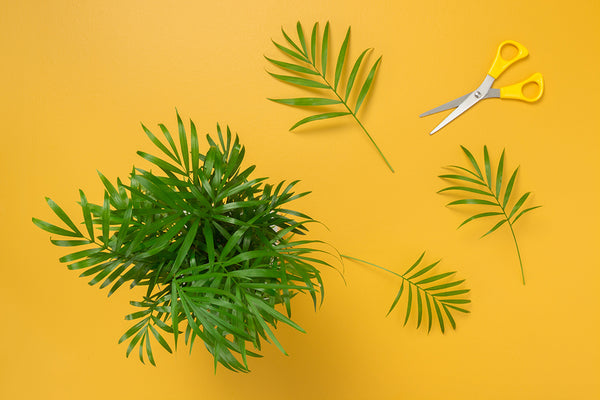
(454, 103)
(467, 103)
(451, 104)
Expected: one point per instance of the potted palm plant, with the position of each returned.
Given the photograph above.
(218, 252)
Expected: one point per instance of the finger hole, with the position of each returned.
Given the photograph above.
(509, 51)
(531, 90)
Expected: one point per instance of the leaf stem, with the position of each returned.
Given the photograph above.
(518, 252)
(374, 265)
(391, 272)
(510, 225)
(353, 115)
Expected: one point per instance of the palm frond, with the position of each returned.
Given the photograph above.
(427, 293)
(216, 249)
(492, 195)
(313, 74)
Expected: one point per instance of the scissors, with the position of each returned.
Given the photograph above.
(485, 90)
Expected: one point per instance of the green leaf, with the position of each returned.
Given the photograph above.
(466, 189)
(174, 311)
(131, 331)
(292, 43)
(396, 298)
(408, 305)
(419, 309)
(63, 216)
(159, 144)
(133, 342)
(293, 67)
(509, 187)
(149, 350)
(473, 201)
(423, 270)
(87, 215)
(428, 293)
(452, 293)
(449, 315)
(439, 316)
(468, 171)
(353, 73)
(53, 228)
(488, 170)
(300, 81)
(324, 49)
(313, 43)
(340, 60)
(182, 253)
(161, 242)
(171, 142)
(307, 101)
(183, 143)
(462, 310)
(482, 215)
(445, 285)
(106, 219)
(366, 86)
(302, 54)
(289, 52)
(89, 262)
(499, 202)
(499, 173)
(318, 117)
(195, 151)
(415, 263)
(498, 225)
(523, 212)
(461, 178)
(435, 277)
(301, 37)
(456, 301)
(274, 313)
(473, 162)
(114, 195)
(429, 314)
(79, 254)
(162, 164)
(518, 204)
(160, 339)
(69, 243)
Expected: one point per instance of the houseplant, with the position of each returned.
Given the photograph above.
(219, 253)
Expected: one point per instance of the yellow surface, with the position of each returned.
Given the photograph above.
(77, 78)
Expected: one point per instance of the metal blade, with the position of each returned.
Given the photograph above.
(454, 103)
(492, 93)
(469, 102)
(451, 104)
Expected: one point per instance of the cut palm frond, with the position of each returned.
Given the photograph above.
(479, 189)
(310, 68)
(433, 296)
(217, 250)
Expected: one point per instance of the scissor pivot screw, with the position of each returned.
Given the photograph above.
(477, 94)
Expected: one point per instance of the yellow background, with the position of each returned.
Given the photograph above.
(78, 77)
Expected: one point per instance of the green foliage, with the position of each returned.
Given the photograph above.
(310, 67)
(477, 183)
(216, 250)
(428, 293)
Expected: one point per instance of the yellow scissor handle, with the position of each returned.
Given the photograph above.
(501, 64)
(516, 91)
